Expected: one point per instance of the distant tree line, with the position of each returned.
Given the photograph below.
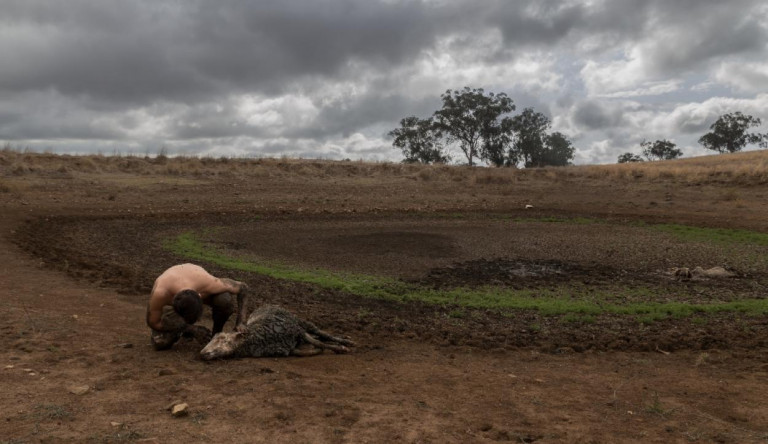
(728, 134)
(482, 127)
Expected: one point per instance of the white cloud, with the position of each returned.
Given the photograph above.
(744, 76)
(483, 60)
(276, 114)
(681, 123)
(694, 118)
(626, 77)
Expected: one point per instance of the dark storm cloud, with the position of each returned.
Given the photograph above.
(48, 115)
(135, 72)
(368, 110)
(593, 115)
(189, 51)
(184, 51)
(680, 34)
(695, 33)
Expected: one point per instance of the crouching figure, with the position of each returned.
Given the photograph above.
(177, 299)
(273, 331)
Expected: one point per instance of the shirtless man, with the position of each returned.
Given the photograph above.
(177, 299)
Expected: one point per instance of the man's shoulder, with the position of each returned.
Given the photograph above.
(161, 292)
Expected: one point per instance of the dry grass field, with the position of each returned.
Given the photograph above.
(489, 305)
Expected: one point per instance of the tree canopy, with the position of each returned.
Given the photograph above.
(419, 141)
(630, 158)
(480, 125)
(729, 133)
(558, 150)
(660, 150)
(474, 120)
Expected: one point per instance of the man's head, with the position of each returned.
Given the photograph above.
(189, 305)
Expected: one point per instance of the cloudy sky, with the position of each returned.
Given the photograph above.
(329, 78)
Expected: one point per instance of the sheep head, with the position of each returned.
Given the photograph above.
(223, 345)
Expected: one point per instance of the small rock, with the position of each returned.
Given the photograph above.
(180, 410)
(165, 372)
(116, 424)
(125, 345)
(9, 366)
(170, 406)
(79, 389)
(28, 370)
(148, 441)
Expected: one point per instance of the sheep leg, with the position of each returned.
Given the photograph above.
(330, 338)
(317, 343)
(306, 351)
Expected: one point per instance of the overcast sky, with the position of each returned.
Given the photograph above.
(329, 78)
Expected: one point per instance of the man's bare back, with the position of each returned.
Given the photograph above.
(192, 277)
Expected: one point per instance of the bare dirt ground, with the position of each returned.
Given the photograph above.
(80, 251)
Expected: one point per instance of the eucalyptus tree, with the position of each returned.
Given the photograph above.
(729, 133)
(476, 121)
(419, 141)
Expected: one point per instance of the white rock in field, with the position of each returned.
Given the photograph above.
(79, 389)
(180, 409)
(528, 207)
(170, 406)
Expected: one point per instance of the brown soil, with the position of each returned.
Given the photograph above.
(79, 254)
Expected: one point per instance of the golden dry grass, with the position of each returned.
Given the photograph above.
(740, 168)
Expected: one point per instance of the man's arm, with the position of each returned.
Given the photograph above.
(155, 314)
(241, 290)
(242, 296)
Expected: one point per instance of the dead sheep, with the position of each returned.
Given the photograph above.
(686, 273)
(273, 331)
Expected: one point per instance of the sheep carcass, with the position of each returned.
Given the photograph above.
(273, 331)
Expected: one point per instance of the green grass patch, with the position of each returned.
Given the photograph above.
(580, 302)
(458, 314)
(715, 235)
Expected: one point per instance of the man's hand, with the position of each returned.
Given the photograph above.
(201, 334)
